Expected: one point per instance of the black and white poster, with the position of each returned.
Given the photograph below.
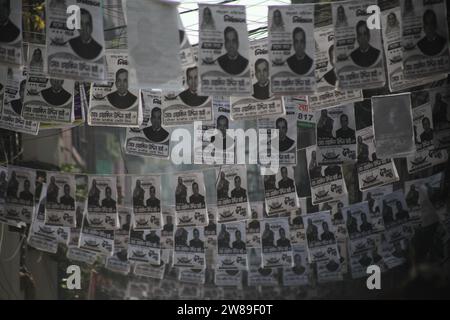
(77, 53)
(232, 197)
(189, 250)
(322, 246)
(299, 273)
(336, 139)
(194, 276)
(155, 271)
(231, 246)
(262, 102)
(60, 202)
(102, 202)
(395, 246)
(49, 100)
(358, 220)
(36, 59)
(119, 261)
(287, 133)
(254, 225)
(327, 182)
(11, 32)
(20, 195)
(187, 106)
(13, 97)
(374, 198)
(391, 22)
(211, 229)
(96, 240)
(190, 199)
(326, 94)
(394, 210)
(440, 101)
(423, 123)
(393, 126)
(145, 246)
(280, 192)
(358, 49)
(297, 224)
(276, 243)
(257, 275)
(364, 251)
(44, 237)
(115, 103)
(224, 67)
(425, 38)
(292, 49)
(146, 202)
(212, 144)
(168, 226)
(151, 140)
(228, 278)
(306, 121)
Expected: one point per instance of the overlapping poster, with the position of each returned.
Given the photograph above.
(232, 197)
(228, 278)
(292, 49)
(280, 192)
(20, 195)
(145, 246)
(394, 210)
(168, 225)
(151, 140)
(60, 202)
(262, 102)
(327, 182)
(102, 202)
(299, 273)
(119, 261)
(358, 49)
(440, 101)
(155, 271)
(96, 240)
(13, 97)
(146, 202)
(276, 243)
(231, 246)
(374, 198)
(189, 250)
(190, 199)
(115, 103)
(336, 139)
(224, 67)
(424, 38)
(76, 53)
(11, 32)
(254, 225)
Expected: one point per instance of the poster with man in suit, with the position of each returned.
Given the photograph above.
(224, 67)
(234, 204)
(115, 103)
(77, 53)
(190, 199)
(336, 140)
(102, 202)
(146, 192)
(278, 251)
(357, 49)
(232, 254)
(60, 210)
(281, 194)
(189, 248)
(11, 32)
(425, 53)
(262, 102)
(145, 246)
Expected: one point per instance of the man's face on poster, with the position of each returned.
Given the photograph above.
(299, 43)
(108, 193)
(152, 192)
(281, 125)
(66, 190)
(56, 84)
(156, 119)
(237, 182)
(122, 83)
(429, 24)
(86, 27)
(262, 72)
(426, 124)
(344, 121)
(192, 80)
(222, 125)
(363, 36)
(5, 11)
(195, 188)
(284, 173)
(231, 43)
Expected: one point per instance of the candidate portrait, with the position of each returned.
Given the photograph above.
(285, 143)
(261, 87)
(56, 95)
(300, 63)
(121, 98)
(432, 43)
(190, 96)
(84, 45)
(155, 132)
(232, 62)
(365, 55)
(9, 32)
(330, 76)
